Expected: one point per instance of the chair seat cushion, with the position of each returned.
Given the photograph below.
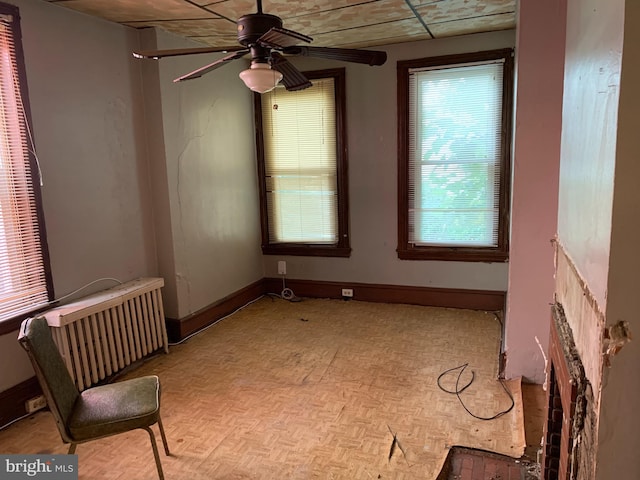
(115, 408)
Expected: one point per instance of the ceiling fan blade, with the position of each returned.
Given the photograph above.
(292, 78)
(278, 37)
(157, 54)
(368, 57)
(212, 66)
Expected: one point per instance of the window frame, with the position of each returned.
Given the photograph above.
(408, 251)
(342, 247)
(11, 324)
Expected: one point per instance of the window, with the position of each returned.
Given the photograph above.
(25, 281)
(302, 168)
(454, 142)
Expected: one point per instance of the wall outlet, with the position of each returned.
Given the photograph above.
(36, 403)
(347, 292)
(282, 267)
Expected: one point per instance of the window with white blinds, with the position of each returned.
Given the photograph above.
(301, 166)
(24, 285)
(455, 155)
(455, 120)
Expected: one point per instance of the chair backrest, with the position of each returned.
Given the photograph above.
(53, 376)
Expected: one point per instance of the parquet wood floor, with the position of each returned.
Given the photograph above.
(316, 389)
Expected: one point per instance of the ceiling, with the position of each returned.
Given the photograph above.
(331, 23)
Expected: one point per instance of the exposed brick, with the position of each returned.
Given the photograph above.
(515, 473)
(503, 471)
(557, 402)
(468, 464)
(478, 470)
(490, 467)
(565, 411)
(456, 465)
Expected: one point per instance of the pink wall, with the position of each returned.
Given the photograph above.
(536, 162)
(588, 160)
(592, 79)
(619, 434)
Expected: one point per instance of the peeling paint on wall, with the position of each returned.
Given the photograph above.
(546, 364)
(615, 338)
(584, 315)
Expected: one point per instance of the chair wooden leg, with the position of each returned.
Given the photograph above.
(72, 449)
(155, 452)
(164, 437)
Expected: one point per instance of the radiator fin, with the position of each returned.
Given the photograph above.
(101, 334)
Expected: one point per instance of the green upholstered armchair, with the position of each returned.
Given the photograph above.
(96, 412)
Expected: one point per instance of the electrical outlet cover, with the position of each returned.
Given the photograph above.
(36, 403)
(282, 267)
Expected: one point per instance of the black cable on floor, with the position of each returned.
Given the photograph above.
(459, 390)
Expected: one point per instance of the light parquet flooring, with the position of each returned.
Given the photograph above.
(315, 389)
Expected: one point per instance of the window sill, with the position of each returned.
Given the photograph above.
(455, 254)
(12, 325)
(306, 250)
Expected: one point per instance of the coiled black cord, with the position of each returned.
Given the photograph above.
(459, 390)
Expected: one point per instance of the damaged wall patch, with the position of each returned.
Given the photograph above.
(615, 337)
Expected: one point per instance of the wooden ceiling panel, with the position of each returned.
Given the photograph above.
(351, 18)
(124, 11)
(354, 23)
(466, 26)
(233, 9)
(421, 3)
(373, 35)
(221, 31)
(453, 10)
(286, 9)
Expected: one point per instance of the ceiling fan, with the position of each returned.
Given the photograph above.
(263, 36)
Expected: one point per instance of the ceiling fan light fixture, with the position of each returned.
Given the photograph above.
(260, 77)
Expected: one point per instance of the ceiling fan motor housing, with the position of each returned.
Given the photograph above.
(263, 37)
(251, 27)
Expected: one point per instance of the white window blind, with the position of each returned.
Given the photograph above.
(299, 135)
(23, 285)
(455, 125)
